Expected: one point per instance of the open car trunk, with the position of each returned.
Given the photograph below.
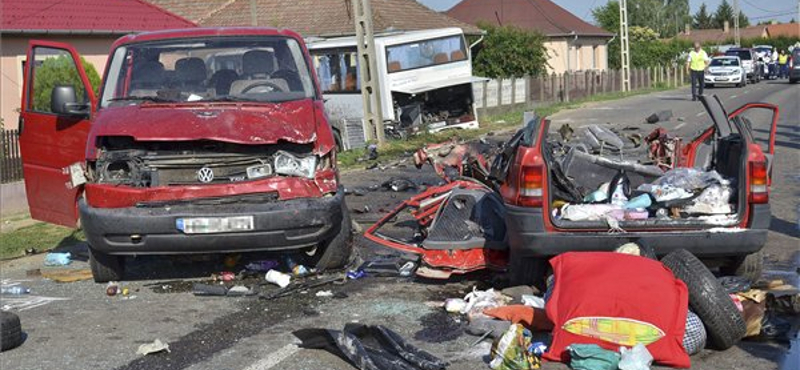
(693, 182)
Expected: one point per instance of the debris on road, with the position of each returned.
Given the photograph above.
(660, 116)
(58, 259)
(370, 348)
(278, 278)
(67, 275)
(155, 347)
(324, 293)
(209, 290)
(14, 290)
(10, 331)
(511, 351)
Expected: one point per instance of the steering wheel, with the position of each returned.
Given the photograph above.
(272, 85)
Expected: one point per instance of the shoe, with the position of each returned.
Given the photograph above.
(694, 98)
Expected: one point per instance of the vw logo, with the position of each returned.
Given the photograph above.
(205, 175)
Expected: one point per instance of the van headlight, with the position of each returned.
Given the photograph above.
(290, 165)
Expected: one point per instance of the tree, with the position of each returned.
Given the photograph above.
(702, 20)
(724, 13)
(743, 20)
(509, 51)
(60, 70)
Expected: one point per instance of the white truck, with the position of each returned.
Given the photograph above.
(425, 80)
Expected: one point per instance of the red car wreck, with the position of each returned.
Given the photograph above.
(199, 141)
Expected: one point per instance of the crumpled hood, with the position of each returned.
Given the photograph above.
(240, 123)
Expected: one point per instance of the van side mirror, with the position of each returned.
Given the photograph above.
(64, 102)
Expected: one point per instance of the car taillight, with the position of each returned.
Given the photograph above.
(759, 187)
(531, 187)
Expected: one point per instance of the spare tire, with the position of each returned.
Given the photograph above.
(708, 299)
(10, 331)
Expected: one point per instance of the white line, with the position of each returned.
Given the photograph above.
(274, 358)
(746, 91)
(733, 97)
(700, 114)
(678, 127)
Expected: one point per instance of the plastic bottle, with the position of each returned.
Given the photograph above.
(14, 290)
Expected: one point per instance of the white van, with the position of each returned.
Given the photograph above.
(425, 79)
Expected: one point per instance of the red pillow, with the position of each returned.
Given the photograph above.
(592, 287)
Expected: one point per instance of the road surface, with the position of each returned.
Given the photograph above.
(75, 326)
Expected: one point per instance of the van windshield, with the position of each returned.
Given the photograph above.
(257, 69)
(424, 53)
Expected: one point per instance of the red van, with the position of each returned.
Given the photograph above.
(732, 241)
(198, 141)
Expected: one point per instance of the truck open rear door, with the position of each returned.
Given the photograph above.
(57, 101)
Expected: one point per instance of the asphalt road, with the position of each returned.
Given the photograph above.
(75, 326)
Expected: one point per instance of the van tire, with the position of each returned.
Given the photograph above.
(749, 266)
(724, 323)
(335, 253)
(528, 271)
(106, 267)
(10, 331)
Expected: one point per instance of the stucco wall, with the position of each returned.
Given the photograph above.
(13, 50)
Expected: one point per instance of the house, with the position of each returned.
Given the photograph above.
(91, 26)
(312, 17)
(722, 36)
(572, 43)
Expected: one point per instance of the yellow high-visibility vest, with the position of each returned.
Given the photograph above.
(697, 60)
(783, 59)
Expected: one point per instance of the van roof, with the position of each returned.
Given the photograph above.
(203, 32)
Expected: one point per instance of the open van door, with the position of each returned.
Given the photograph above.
(57, 101)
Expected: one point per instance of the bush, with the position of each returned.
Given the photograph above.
(509, 51)
(60, 71)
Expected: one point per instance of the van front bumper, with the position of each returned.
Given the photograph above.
(151, 229)
(527, 237)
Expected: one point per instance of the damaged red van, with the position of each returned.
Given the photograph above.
(199, 141)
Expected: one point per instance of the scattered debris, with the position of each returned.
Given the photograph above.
(204, 290)
(150, 348)
(58, 259)
(67, 275)
(299, 287)
(324, 293)
(278, 278)
(660, 116)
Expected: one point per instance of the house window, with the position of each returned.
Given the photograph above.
(337, 71)
(595, 56)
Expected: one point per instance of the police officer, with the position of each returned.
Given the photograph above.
(783, 64)
(697, 63)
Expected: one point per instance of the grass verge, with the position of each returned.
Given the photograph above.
(399, 148)
(41, 236)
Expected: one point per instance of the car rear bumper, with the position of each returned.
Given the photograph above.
(528, 238)
(278, 225)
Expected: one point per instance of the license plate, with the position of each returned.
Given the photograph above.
(722, 79)
(212, 225)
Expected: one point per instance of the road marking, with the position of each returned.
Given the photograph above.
(733, 97)
(274, 358)
(678, 127)
(746, 91)
(700, 114)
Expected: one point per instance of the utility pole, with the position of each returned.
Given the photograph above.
(370, 92)
(736, 37)
(253, 15)
(624, 46)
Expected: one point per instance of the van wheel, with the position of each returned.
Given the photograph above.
(749, 266)
(708, 299)
(335, 253)
(528, 271)
(106, 267)
(10, 331)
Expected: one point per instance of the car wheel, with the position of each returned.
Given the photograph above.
(335, 253)
(10, 331)
(528, 271)
(106, 267)
(749, 266)
(708, 299)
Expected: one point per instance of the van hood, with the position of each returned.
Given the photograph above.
(240, 123)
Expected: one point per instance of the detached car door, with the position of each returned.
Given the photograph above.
(57, 102)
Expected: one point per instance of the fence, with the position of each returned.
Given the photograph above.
(498, 96)
(10, 159)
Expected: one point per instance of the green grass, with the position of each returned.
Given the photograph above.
(41, 236)
(397, 148)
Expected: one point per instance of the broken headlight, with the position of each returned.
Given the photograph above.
(290, 165)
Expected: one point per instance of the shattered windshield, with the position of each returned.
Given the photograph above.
(254, 69)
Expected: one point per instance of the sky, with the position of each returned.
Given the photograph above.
(756, 10)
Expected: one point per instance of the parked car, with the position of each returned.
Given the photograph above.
(180, 155)
(794, 66)
(725, 71)
(534, 185)
(750, 62)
